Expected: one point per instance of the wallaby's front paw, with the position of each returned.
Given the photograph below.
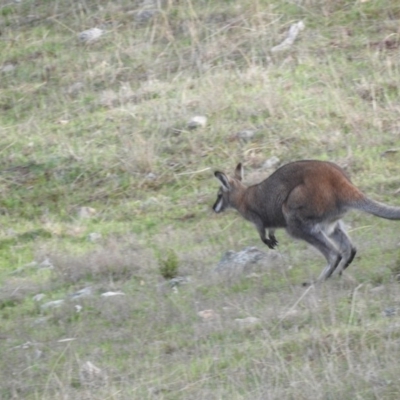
(271, 242)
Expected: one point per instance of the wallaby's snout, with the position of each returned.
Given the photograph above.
(229, 190)
(222, 201)
(220, 204)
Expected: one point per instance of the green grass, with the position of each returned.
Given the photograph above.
(104, 126)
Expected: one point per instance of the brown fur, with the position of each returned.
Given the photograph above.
(307, 198)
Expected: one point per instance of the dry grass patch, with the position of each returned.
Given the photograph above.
(115, 259)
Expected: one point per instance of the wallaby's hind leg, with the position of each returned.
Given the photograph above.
(313, 234)
(347, 250)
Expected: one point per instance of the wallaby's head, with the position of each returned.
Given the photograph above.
(230, 191)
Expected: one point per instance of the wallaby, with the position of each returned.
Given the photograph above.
(308, 198)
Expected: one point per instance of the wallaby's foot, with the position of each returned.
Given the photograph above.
(351, 258)
(271, 242)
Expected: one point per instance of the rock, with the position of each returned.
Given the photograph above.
(207, 315)
(111, 294)
(271, 162)
(179, 280)
(40, 321)
(390, 311)
(231, 260)
(90, 35)
(108, 98)
(246, 135)
(94, 237)
(199, 121)
(85, 292)
(90, 374)
(86, 212)
(151, 177)
(377, 289)
(45, 264)
(294, 30)
(8, 68)
(38, 297)
(78, 308)
(75, 88)
(52, 304)
(248, 322)
(144, 16)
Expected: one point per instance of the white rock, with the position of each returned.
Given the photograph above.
(199, 121)
(110, 294)
(8, 68)
(145, 15)
(75, 88)
(90, 35)
(90, 374)
(207, 315)
(248, 322)
(271, 162)
(52, 304)
(151, 176)
(45, 264)
(294, 30)
(85, 292)
(38, 297)
(94, 237)
(86, 212)
(247, 134)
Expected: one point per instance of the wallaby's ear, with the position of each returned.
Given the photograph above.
(239, 172)
(223, 179)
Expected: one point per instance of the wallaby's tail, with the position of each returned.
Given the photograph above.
(378, 209)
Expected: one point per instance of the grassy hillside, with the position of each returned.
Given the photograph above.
(103, 185)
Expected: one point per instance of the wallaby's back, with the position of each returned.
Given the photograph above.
(314, 188)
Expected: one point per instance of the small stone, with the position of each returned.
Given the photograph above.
(52, 304)
(151, 177)
(179, 280)
(199, 121)
(45, 264)
(378, 289)
(86, 212)
(246, 135)
(247, 256)
(207, 315)
(111, 294)
(78, 308)
(8, 68)
(85, 292)
(94, 237)
(390, 312)
(90, 35)
(248, 322)
(145, 15)
(90, 375)
(40, 321)
(271, 162)
(294, 30)
(75, 88)
(38, 297)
